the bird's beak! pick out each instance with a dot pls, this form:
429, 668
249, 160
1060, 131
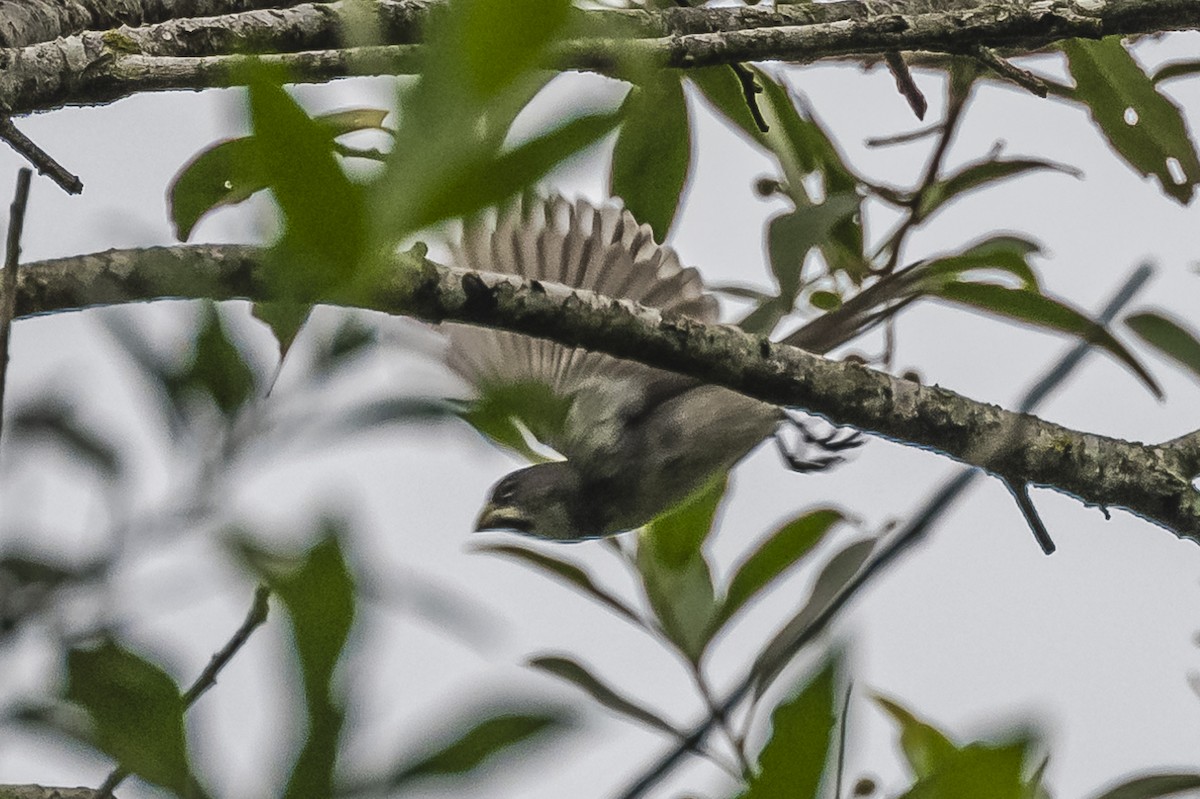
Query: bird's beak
499, 517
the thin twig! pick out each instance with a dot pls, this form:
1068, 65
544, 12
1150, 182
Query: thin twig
905, 84
841, 753
208, 678
1022, 77
45, 163
909, 535
1020, 492
8, 281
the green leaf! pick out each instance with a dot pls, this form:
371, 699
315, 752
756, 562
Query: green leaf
802, 727
137, 710
980, 771
229, 172
1176, 69
498, 41
652, 154
1169, 337
925, 747
721, 87
470, 187
576, 674
1142, 125
285, 318
977, 175
1152, 786
834, 576
567, 572
1036, 309
217, 368
324, 236
674, 572
790, 236
502, 410
318, 593
473, 745
825, 300
1004, 253
783, 549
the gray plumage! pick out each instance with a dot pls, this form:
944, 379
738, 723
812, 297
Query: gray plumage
637, 440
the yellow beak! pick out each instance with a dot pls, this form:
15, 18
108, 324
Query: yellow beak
500, 517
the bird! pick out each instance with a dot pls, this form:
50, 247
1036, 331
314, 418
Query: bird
634, 441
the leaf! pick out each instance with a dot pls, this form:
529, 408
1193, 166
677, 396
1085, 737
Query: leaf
925, 747
324, 213
1176, 69
52, 420
576, 674
568, 572
1153, 785
1142, 125
794, 757
497, 42
781, 550
470, 187
137, 710
229, 172
790, 236
675, 575
503, 411
217, 368
1036, 309
1169, 337
1003, 253
482, 741
834, 576
977, 175
285, 318
318, 594
981, 771
721, 87
652, 153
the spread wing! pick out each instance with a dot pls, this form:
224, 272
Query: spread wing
600, 249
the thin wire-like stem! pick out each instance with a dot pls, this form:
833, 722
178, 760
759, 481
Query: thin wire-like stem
8, 281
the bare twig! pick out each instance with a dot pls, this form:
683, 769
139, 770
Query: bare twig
45, 163
208, 678
903, 540
905, 83
1020, 492
1022, 77
8, 287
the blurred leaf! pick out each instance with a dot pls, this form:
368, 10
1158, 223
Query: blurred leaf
285, 318
926, 748
229, 172
790, 236
1169, 337
576, 674
29, 585
217, 368
675, 575
794, 757
1142, 125
321, 252
53, 420
496, 42
470, 186
502, 409
981, 771
781, 550
721, 87
1002, 253
1153, 785
1036, 309
137, 710
482, 741
318, 593
653, 150
840, 569
979, 174
568, 572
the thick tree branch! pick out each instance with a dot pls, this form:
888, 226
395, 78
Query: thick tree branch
1151, 481
95, 68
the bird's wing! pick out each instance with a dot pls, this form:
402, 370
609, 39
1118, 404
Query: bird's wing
576, 244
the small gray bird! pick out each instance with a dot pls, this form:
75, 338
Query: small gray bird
636, 440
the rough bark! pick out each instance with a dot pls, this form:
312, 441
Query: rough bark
1152, 481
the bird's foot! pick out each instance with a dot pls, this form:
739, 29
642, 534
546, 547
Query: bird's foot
812, 452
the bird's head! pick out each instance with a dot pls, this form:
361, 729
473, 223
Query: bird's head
539, 501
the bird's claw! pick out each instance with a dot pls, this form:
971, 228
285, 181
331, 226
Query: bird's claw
797, 456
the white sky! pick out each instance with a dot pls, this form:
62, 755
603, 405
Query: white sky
974, 629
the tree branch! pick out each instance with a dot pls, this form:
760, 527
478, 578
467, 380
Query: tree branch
195, 53
1150, 481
